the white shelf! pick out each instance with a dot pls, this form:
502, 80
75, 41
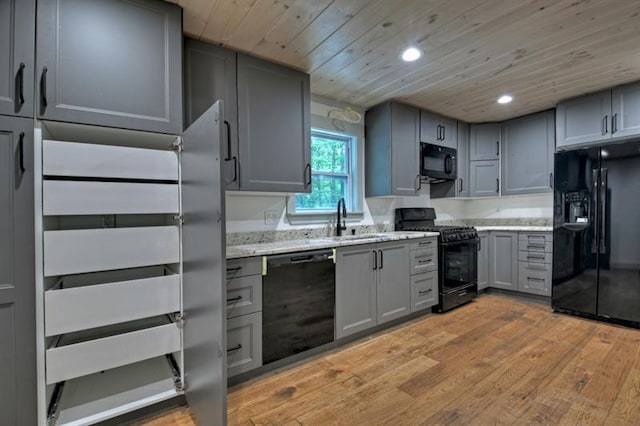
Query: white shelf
102, 396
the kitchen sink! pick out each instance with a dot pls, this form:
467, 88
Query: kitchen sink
358, 237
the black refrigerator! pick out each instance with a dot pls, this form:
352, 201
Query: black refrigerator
596, 233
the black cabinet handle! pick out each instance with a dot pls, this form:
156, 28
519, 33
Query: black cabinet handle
307, 174
43, 90
461, 185
381, 259
234, 299
375, 260
235, 348
438, 133
614, 123
235, 269
498, 185
20, 83
550, 180
229, 157
605, 125
424, 291
444, 133
21, 152
418, 183
498, 148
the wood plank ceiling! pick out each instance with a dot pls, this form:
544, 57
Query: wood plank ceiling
538, 51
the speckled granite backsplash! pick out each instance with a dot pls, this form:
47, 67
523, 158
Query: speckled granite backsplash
518, 221
256, 237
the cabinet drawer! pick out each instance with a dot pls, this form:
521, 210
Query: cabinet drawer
535, 280
107, 161
244, 295
244, 343
424, 243
88, 250
424, 291
536, 246
244, 267
535, 257
79, 359
424, 260
90, 198
80, 308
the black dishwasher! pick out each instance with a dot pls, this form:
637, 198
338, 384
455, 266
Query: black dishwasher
298, 297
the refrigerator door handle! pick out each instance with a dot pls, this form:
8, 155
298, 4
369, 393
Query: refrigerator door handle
603, 215
596, 194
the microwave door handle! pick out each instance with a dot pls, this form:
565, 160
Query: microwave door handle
448, 164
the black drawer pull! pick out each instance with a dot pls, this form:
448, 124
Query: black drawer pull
20, 78
235, 348
235, 269
43, 89
425, 291
234, 299
535, 279
425, 261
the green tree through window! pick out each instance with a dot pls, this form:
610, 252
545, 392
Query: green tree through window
331, 172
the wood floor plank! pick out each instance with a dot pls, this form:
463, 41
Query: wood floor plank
495, 361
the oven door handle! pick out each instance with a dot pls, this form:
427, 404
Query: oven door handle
457, 243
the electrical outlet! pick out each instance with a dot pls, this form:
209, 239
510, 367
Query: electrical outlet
271, 217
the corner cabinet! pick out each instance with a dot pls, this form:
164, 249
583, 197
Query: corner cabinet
274, 119
17, 40
392, 160
484, 142
528, 144
17, 276
115, 63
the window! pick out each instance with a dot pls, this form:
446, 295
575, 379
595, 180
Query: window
333, 164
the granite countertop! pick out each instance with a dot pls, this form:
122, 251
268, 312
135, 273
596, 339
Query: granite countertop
515, 228
292, 246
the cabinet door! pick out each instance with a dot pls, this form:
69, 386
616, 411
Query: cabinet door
626, 111
405, 143
274, 127
463, 183
485, 178
17, 276
17, 51
528, 144
210, 75
483, 261
355, 289
394, 281
484, 142
584, 119
504, 260
429, 127
449, 132
113, 63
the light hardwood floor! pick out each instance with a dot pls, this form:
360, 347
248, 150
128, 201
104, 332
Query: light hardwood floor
495, 361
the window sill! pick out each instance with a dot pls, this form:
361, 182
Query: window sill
323, 217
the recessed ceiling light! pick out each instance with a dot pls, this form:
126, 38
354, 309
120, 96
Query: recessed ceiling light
411, 54
504, 99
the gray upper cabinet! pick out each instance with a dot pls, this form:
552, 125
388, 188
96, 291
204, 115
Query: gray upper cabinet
483, 261
394, 282
115, 63
484, 178
17, 43
503, 270
438, 130
484, 141
392, 150
274, 127
584, 119
356, 301
626, 110
528, 144
17, 274
210, 75
463, 183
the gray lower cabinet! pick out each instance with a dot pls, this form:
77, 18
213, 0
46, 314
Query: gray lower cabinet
393, 281
484, 177
17, 56
210, 75
274, 127
484, 142
17, 276
626, 110
535, 262
528, 144
584, 120
503, 270
483, 260
356, 294
244, 343
115, 63
392, 150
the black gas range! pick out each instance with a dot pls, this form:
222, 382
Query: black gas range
457, 256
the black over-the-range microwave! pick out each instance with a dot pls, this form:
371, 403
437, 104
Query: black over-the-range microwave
438, 162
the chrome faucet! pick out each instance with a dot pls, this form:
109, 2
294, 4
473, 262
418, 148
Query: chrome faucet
341, 226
